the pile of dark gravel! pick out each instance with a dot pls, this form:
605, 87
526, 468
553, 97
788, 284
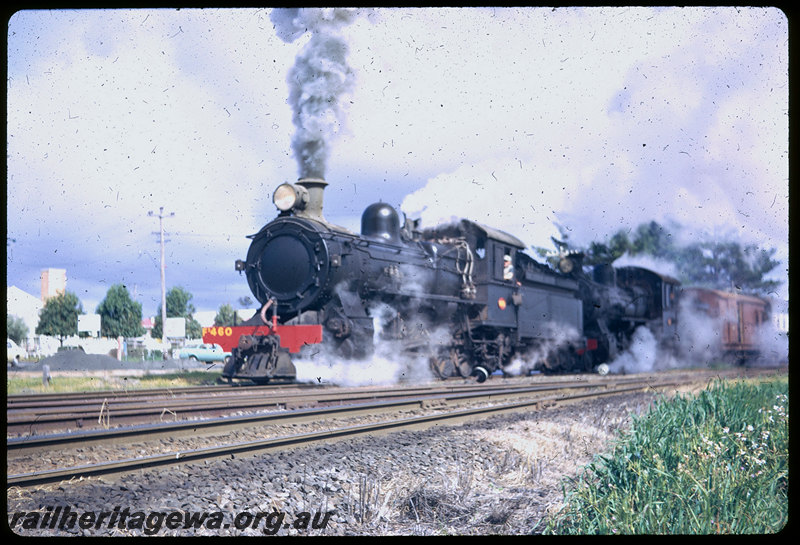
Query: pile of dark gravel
77, 360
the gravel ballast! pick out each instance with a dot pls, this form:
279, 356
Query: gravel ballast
501, 475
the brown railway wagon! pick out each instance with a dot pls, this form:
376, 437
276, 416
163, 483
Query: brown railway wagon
739, 319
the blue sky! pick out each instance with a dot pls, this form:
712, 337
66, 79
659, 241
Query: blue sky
596, 119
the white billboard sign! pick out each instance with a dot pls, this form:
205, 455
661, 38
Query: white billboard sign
90, 323
175, 328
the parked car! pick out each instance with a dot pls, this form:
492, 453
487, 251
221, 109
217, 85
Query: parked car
203, 352
14, 352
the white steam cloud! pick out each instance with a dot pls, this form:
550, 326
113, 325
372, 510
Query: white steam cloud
774, 345
643, 355
383, 368
647, 262
699, 343
389, 363
556, 338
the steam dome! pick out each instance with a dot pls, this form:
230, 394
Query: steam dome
381, 221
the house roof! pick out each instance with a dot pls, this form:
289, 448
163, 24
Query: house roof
16, 295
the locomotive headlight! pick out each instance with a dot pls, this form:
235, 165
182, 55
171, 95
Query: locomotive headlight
285, 197
289, 196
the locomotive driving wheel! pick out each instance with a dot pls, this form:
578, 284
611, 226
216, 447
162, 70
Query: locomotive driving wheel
452, 364
442, 367
553, 361
462, 362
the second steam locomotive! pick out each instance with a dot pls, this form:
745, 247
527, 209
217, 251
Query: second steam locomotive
463, 297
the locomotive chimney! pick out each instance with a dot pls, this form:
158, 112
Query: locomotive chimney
315, 188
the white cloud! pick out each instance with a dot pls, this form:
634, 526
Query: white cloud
597, 118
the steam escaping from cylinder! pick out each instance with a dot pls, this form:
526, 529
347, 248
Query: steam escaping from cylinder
317, 81
556, 337
642, 356
389, 364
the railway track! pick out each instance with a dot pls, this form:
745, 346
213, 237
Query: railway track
299, 440
449, 408
48, 413
344, 403
32, 416
24, 401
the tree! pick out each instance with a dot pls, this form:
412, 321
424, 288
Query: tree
16, 329
178, 306
193, 328
728, 265
652, 239
722, 265
120, 316
59, 317
617, 246
225, 316
179, 303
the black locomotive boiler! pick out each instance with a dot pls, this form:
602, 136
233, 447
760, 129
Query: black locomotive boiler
320, 283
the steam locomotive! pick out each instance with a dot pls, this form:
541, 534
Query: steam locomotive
464, 297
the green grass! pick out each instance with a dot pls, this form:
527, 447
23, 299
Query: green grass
63, 384
706, 464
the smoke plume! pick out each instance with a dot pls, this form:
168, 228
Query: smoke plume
317, 81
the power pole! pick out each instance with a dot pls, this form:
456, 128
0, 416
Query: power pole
163, 267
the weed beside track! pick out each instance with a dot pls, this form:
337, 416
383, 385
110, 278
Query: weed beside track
716, 462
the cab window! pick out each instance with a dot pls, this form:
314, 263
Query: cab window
503, 263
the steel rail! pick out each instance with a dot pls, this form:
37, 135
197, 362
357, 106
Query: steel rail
24, 401
90, 407
266, 445
38, 443
64, 398
21, 401
126, 412
29, 421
